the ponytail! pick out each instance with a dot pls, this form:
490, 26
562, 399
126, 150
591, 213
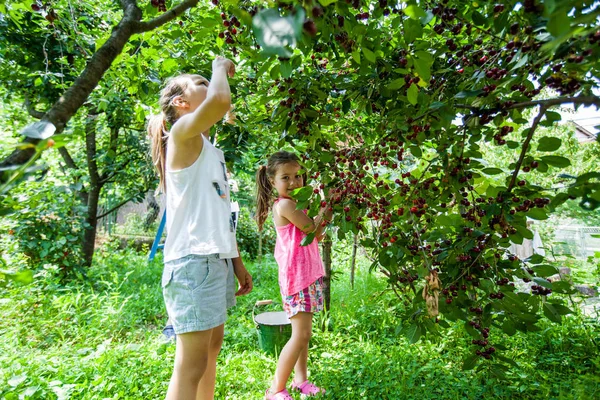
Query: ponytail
158, 136
157, 125
264, 191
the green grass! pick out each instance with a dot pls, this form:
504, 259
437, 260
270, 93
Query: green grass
101, 339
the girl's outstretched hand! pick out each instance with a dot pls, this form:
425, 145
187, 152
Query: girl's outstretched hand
224, 63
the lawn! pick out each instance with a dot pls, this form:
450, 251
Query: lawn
100, 338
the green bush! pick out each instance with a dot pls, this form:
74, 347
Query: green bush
46, 227
248, 236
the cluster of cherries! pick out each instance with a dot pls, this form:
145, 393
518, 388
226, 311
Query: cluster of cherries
540, 290
231, 24
51, 15
160, 4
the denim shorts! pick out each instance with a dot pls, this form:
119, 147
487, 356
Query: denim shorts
198, 290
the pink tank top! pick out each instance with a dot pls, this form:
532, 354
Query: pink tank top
299, 266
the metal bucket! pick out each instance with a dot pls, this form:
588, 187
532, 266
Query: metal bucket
274, 328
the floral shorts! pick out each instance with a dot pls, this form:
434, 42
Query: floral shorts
309, 300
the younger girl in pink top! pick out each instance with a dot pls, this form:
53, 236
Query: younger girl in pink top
300, 268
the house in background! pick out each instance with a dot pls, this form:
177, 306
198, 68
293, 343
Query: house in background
586, 133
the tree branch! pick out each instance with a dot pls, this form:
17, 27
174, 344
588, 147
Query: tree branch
76, 95
525, 147
67, 158
165, 17
587, 100
121, 204
31, 109
106, 177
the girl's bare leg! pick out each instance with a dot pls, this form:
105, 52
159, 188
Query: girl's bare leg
290, 354
301, 367
191, 359
206, 388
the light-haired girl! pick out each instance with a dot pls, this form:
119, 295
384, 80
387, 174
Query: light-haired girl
200, 253
300, 267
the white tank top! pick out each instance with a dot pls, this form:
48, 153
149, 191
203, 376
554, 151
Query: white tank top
199, 219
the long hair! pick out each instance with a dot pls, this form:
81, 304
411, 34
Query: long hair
264, 188
157, 125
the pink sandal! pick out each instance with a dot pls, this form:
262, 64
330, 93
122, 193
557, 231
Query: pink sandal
283, 395
308, 388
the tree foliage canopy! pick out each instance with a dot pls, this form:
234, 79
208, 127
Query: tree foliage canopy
394, 107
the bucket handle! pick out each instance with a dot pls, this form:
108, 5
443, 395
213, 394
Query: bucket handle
259, 303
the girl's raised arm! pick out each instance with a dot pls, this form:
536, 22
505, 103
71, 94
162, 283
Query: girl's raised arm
213, 108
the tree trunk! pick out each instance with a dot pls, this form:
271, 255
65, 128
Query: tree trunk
89, 236
153, 210
327, 278
70, 102
353, 260
93, 193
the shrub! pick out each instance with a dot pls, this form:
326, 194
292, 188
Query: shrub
46, 228
248, 235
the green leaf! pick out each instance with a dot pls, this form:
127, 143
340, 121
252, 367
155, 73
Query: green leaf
414, 12
545, 270
537, 213
499, 370
547, 143
535, 259
356, 55
559, 23
549, 7
557, 161
551, 313
325, 3
553, 116
561, 309
492, 171
412, 93
478, 19
511, 144
369, 55
413, 333
416, 151
523, 231
505, 359
509, 327
396, 84
276, 34
521, 62
468, 93
325, 121
308, 239
501, 22
470, 362
423, 62
303, 193
437, 105
285, 69
444, 324
412, 30
543, 282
